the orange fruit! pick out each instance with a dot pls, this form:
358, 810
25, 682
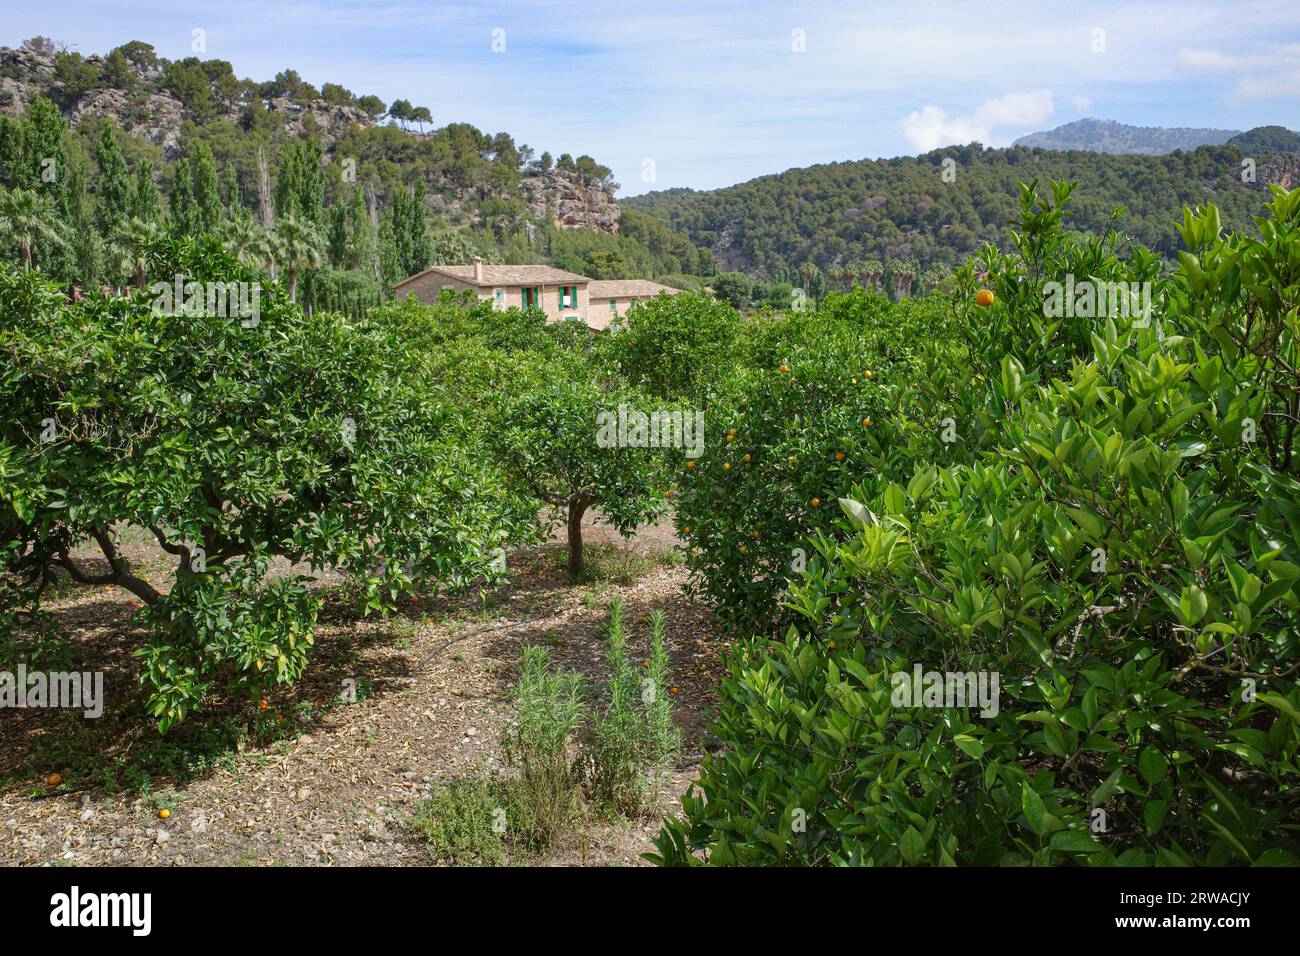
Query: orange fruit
263, 704
690, 464
686, 530
673, 690
867, 374
164, 813
784, 369
985, 298
54, 779
726, 466
746, 458
831, 645
744, 550
816, 502
839, 456
866, 422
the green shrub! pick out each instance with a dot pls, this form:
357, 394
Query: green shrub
616, 729
538, 746
663, 738
463, 822
633, 738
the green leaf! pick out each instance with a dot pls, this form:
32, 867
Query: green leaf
1153, 765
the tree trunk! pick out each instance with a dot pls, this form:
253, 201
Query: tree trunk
577, 508
293, 284
265, 210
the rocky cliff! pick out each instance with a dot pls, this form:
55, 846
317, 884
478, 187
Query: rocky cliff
141, 104
146, 111
570, 204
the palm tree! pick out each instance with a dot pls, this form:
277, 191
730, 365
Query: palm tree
838, 272
909, 271
249, 242
25, 217
873, 270
934, 276
132, 243
298, 246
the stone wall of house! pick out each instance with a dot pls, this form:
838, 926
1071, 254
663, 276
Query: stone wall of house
427, 287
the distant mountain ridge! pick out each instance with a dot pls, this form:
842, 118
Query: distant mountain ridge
1109, 136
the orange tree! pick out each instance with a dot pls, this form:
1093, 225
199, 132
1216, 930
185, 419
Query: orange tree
817, 402
556, 446
675, 347
1120, 554
233, 441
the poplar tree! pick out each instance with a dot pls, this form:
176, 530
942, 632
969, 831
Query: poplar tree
230, 187
113, 196
144, 195
185, 220
207, 200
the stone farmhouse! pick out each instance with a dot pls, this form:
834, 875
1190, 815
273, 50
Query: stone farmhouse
563, 296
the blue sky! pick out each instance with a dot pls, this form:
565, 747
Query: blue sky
707, 94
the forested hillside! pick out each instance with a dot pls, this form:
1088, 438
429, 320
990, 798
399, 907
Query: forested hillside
859, 218
102, 147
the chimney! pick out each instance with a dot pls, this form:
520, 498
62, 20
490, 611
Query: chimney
478, 270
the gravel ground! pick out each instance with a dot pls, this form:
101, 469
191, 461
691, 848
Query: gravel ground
321, 782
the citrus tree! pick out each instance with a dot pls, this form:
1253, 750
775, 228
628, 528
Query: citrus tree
1120, 555
558, 442
234, 440
816, 402
674, 347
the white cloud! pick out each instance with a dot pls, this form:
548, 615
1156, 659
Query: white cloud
1212, 61
931, 127
1082, 105
1268, 87
1271, 71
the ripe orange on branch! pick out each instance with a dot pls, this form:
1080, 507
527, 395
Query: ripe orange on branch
985, 298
